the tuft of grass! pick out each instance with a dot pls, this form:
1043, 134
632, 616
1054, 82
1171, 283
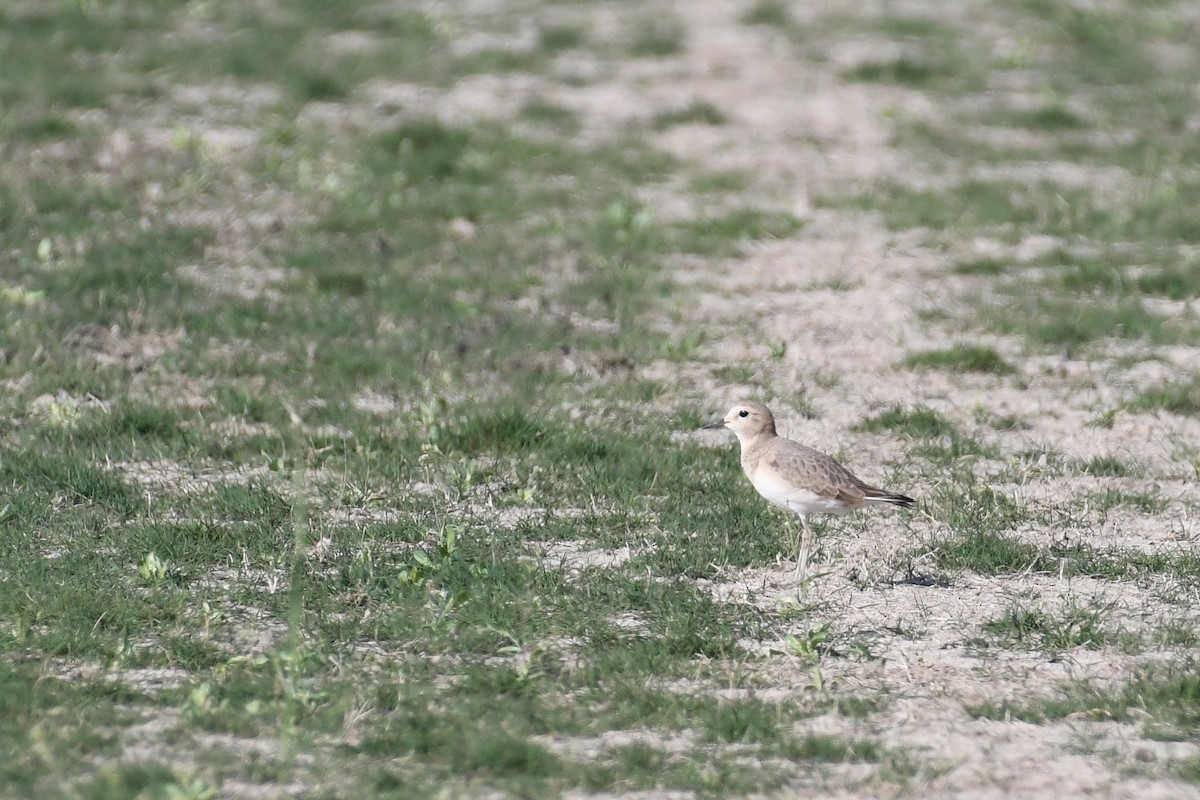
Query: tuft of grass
919, 422
830, 749
316, 85
987, 553
41, 128
1166, 699
723, 235
1147, 502
970, 205
560, 37
962, 357
1053, 117
1180, 397
902, 71
1035, 626
1110, 467
768, 12
1063, 322
859, 707
697, 112
511, 430
981, 266
547, 113
498, 60
1179, 279
718, 182
657, 38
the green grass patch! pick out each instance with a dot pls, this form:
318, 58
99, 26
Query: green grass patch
1146, 502
1181, 397
1053, 117
1110, 467
1169, 696
547, 113
980, 521
698, 112
974, 204
919, 422
1049, 320
1032, 625
722, 235
961, 358
768, 12
982, 266
718, 182
657, 37
556, 38
902, 71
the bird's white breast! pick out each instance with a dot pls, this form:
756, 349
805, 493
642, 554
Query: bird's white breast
794, 497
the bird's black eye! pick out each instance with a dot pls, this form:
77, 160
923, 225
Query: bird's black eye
743, 413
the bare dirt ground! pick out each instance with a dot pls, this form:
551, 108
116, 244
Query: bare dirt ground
844, 294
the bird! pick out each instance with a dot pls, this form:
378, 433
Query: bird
796, 477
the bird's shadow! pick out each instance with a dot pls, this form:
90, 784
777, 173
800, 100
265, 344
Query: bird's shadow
912, 579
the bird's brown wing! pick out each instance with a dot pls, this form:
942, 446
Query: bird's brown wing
819, 473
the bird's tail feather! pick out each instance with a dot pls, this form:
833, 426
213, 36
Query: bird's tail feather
890, 498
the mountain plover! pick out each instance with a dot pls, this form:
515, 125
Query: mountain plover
796, 477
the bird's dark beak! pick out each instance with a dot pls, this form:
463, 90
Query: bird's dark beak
715, 426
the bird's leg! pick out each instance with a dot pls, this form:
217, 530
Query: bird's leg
803, 539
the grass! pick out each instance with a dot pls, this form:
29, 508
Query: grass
1136, 246
768, 12
1180, 397
163, 528
961, 357
980, 540
920, 422
969, 205
699, 112
724, 234
1055, 631
657, 37
301, 435
1165, 699
1110, 467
